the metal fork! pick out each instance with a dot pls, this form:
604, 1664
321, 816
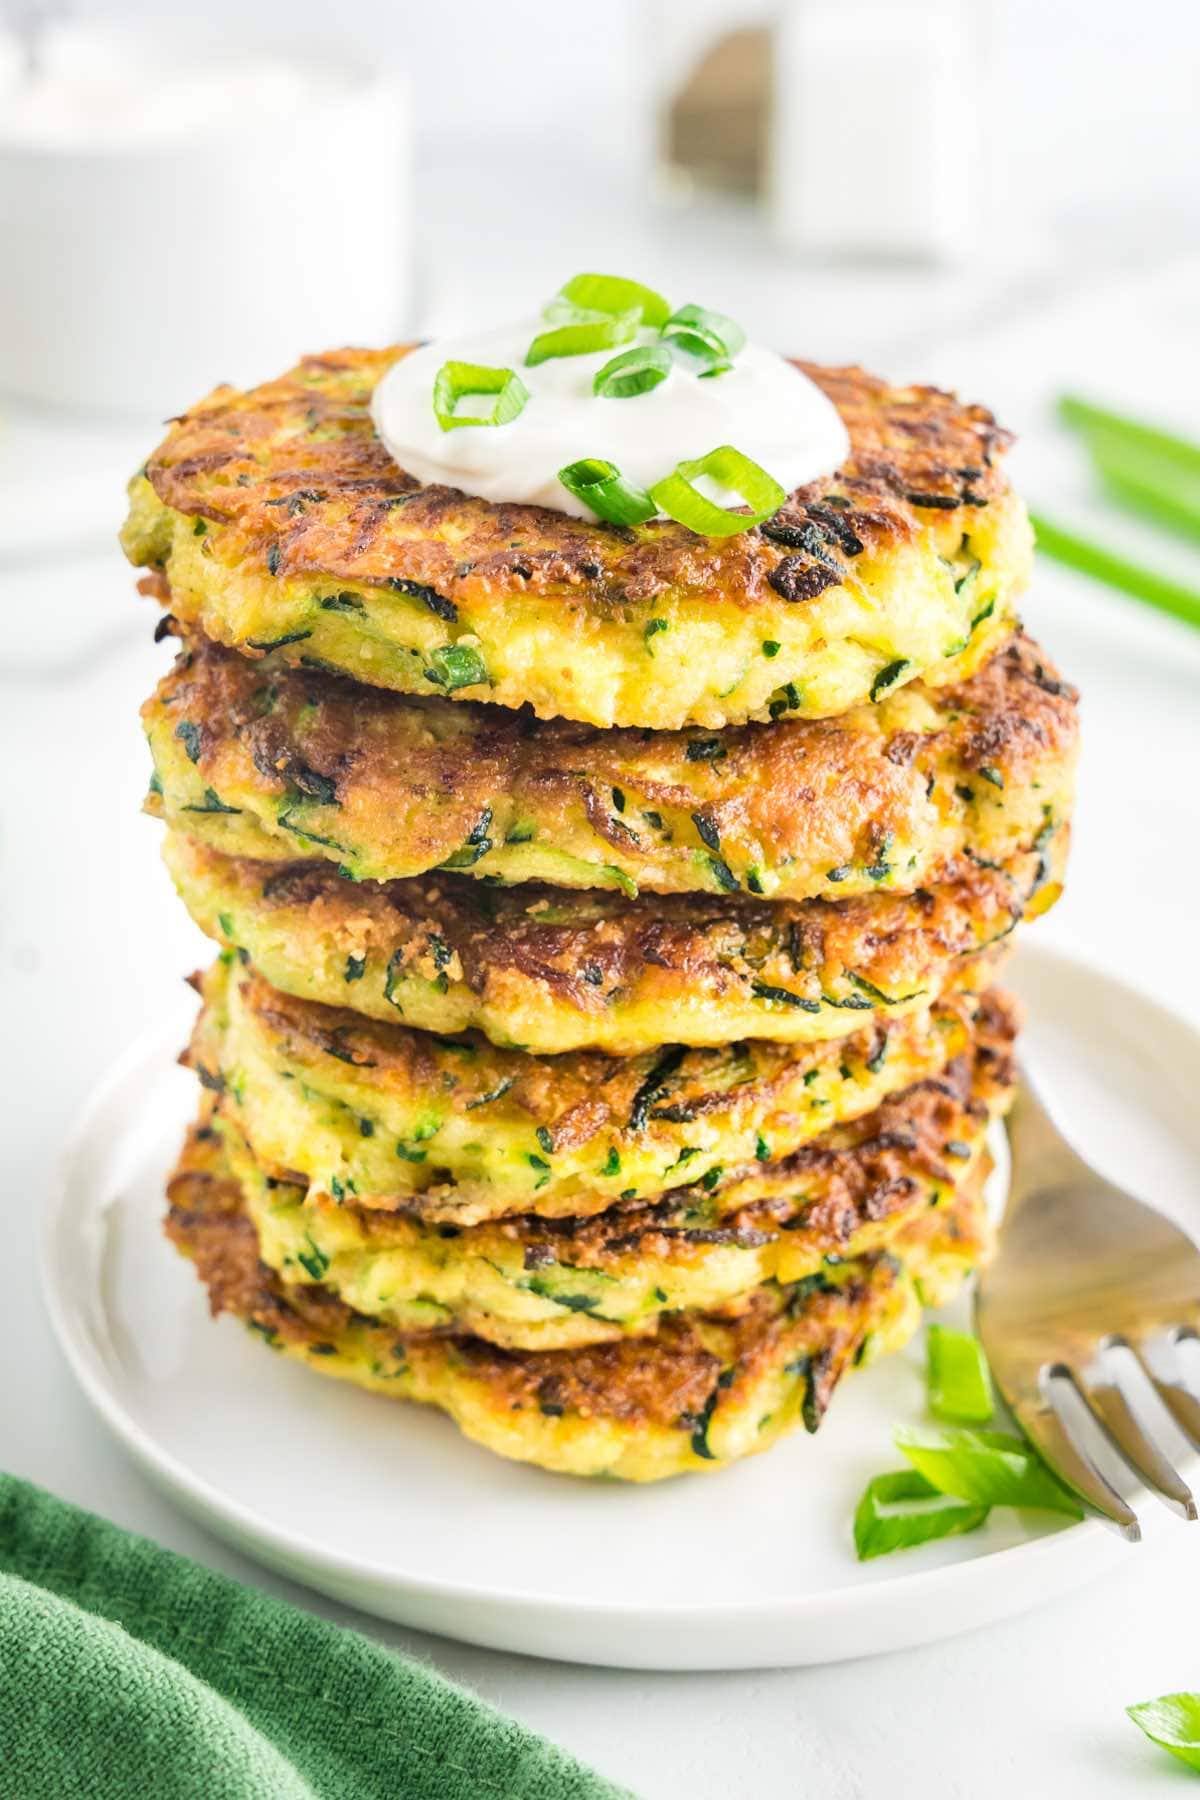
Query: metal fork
1087, 1277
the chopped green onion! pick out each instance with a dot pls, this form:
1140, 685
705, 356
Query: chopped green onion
601, 486
457, 665
1172, 1722
901, 1510
1105, 565
1150, 471
633, 372
1163, 492
579, 336
709, 336
612, 294
990, 1468
680, 499
960, 1386
455, 380
1136, 436
562, 312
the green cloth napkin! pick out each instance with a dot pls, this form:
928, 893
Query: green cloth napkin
126, 1671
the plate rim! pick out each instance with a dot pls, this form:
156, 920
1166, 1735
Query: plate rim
1092, 1545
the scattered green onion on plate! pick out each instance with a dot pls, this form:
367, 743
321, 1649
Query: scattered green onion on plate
633, 372
602, 487
1173, 1722
989, 1468
902, 1509
456, 381
959, 1384
680, 499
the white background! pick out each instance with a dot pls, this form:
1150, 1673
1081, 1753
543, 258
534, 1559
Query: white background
528, 167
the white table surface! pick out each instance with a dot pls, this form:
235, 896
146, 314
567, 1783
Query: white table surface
92, 942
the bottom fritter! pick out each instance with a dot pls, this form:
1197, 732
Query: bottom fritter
706, 1389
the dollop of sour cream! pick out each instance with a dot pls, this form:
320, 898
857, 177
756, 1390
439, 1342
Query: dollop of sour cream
763, 406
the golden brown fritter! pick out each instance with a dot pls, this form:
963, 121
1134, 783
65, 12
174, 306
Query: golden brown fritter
536, 1283
284, 528
459, 1131
285, 764
551, 970
706, 1390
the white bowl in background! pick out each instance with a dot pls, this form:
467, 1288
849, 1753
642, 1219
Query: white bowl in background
173, 216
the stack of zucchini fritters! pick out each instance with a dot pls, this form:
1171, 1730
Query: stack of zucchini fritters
602, 1045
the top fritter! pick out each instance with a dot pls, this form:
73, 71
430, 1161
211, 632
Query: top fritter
283, 528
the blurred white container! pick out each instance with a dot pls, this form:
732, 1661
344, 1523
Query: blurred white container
874, 139
172, 217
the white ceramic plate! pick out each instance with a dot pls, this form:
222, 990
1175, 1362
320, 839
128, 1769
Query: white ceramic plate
386, 1507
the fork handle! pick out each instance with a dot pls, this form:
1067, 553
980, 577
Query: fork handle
1041, 1155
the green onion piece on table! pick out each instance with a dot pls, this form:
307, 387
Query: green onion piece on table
581, 336
680, 499
709, 336
900, 1510
1162, 492
1147, 470
454, 381
1159, 591
612, 294
960, 1387
1147, 440
1172, 1722
633, 372
602, 487
989, 1468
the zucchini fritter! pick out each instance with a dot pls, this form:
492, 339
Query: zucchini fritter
538, 1284
285, 764
284, 528
706, 1390
457, 1130
548, 970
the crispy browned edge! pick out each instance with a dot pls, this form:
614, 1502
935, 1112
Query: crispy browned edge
296, 466
860, 1174
451, 926
777, 782
577, 1096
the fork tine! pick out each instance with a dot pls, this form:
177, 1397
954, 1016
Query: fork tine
1049, 1436
1180, 1402
1183, 1407
1127, 1437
